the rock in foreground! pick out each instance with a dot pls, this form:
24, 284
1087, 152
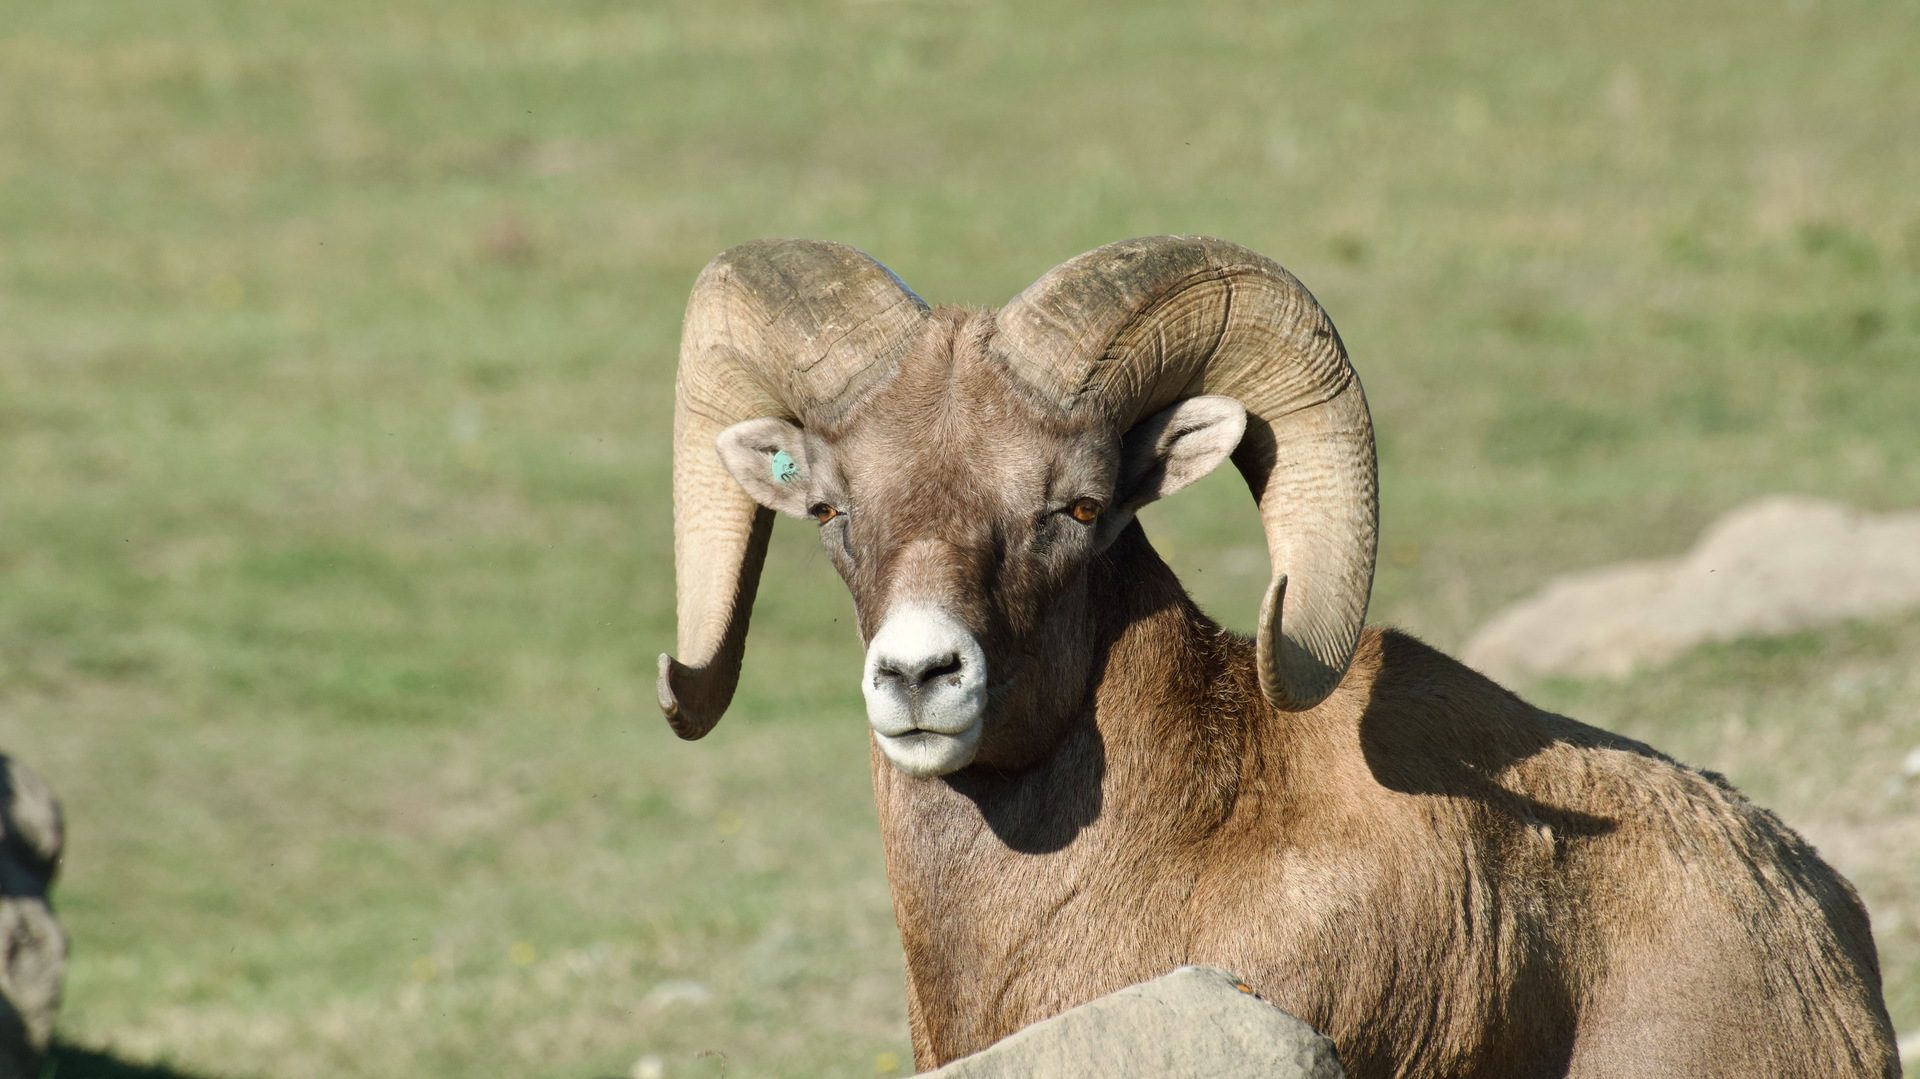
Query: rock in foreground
33, 951
1194, 1021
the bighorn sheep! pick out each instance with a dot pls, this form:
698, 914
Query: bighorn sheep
1083, 782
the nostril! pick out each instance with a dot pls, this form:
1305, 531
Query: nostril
941, 667
914, 674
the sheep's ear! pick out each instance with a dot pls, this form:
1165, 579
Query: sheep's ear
768, 459
1169, 450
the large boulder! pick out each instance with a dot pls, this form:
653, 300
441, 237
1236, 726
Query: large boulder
1780, 564
33, 951
1194, 1021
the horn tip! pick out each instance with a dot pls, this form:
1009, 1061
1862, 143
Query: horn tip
1292, 677
686, 722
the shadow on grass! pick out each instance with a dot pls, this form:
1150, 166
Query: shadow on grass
70, 1061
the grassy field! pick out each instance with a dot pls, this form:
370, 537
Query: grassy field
335, 350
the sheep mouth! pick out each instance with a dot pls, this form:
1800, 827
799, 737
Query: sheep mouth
918, 751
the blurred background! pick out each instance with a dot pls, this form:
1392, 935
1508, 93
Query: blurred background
336, 346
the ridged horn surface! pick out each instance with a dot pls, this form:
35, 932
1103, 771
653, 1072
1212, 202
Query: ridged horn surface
1134, 326
787, 328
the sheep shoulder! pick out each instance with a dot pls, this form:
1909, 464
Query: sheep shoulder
1502, 889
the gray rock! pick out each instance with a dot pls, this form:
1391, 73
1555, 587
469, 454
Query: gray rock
1773, 566
33, 950
1194, 1021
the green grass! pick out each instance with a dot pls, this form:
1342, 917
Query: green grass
335, 346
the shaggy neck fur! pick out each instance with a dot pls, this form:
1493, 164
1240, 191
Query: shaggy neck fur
1169, 707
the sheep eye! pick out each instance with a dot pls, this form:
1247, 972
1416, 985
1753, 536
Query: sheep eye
1085, 510
823, 512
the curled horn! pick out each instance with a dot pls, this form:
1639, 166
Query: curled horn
1134, 326
786, 328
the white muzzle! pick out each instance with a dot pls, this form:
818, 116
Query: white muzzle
926, 689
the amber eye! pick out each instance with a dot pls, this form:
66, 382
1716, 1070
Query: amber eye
1085, 510
823, 512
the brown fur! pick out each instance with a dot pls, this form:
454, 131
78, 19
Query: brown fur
1443, 878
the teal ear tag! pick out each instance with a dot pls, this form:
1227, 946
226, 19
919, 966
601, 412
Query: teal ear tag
784, 470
